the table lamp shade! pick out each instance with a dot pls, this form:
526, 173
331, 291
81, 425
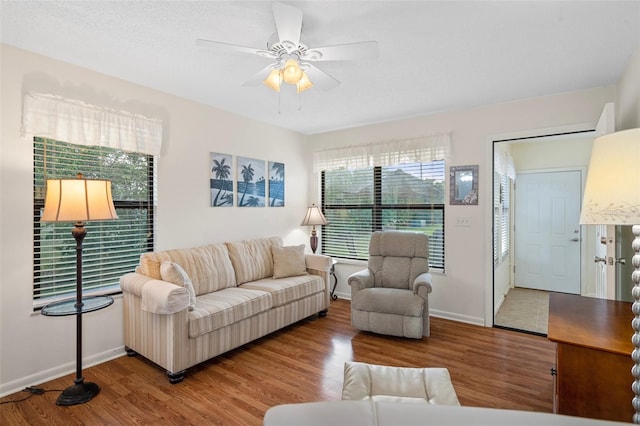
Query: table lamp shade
314, 217
612, 191
76, 200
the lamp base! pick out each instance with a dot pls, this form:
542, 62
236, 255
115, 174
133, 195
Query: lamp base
79, 393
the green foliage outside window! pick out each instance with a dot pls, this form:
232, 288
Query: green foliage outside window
111, 248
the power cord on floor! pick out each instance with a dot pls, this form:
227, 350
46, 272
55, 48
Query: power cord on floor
32, 391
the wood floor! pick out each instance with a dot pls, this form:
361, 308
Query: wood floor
304, 362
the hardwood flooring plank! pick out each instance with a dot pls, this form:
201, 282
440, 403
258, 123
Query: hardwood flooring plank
303, 362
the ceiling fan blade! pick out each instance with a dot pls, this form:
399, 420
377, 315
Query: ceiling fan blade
321, 79
288, 21
259, 77
232, 48
343, 52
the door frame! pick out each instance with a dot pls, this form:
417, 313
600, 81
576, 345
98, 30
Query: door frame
487, 182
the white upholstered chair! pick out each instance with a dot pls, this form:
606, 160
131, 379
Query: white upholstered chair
380, 383
391, 295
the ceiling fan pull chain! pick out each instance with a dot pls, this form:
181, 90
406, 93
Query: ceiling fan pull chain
279, 97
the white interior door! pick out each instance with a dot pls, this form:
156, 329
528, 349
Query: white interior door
547, 235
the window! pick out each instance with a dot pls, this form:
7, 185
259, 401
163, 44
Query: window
111, 248
505, 185
404, 197
501, 216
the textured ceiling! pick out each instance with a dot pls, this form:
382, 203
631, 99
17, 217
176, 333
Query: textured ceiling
433, 55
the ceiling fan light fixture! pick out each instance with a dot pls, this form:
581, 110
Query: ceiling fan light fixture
273, 80
304, 83
292, 73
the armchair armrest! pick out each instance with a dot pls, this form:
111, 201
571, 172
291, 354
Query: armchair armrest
157, 296
360, 280
422, 284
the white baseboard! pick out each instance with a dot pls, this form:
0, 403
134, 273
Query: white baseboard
59, 371
498, 305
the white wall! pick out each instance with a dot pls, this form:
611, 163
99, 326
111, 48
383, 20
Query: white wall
465, 291
34, 348
628, 99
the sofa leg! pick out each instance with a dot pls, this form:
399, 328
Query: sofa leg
130, 352
175, 377
323, 313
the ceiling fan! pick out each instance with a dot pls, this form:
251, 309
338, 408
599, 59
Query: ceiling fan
292, 58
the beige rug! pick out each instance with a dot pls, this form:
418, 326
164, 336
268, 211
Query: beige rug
525, 309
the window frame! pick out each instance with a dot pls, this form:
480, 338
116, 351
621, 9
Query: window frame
377, 208
38, 205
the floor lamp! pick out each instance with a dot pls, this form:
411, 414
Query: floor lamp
77, 200
313, 218
612, 197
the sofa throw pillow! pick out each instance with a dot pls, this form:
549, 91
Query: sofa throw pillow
288, 261
173, 273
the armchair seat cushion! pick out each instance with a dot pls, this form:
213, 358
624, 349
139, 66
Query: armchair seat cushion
227, 306
389, 301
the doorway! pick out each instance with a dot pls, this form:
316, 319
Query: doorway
548, 178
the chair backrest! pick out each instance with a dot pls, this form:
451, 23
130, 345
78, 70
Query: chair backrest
396, 258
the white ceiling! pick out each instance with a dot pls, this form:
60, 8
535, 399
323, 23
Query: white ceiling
434, 55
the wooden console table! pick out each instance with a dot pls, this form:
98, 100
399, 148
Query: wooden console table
593, 356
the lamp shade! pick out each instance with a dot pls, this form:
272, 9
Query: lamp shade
612, 191
314, 217
273, 80
78, 200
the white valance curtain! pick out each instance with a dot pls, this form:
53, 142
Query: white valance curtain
416, 150
79, 123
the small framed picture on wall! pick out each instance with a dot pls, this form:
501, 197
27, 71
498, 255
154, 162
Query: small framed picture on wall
221, 179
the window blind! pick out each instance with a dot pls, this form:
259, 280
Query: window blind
111, 248
505, 215
358, 201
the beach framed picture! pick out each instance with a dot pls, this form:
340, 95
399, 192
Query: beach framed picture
221, 179
251, 182
276, 184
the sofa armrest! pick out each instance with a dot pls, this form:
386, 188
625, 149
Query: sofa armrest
318, 262
157, 296
422, 285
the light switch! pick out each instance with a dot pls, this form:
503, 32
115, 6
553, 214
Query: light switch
463, 222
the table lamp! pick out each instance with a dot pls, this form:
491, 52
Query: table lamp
314, 217
612, 197
78, 200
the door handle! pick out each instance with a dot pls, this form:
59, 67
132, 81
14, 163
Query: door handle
575, 240
622, 261
597, 259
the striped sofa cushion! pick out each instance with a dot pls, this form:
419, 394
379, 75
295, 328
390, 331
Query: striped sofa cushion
252, 259
287, 290
209, 267
223, 307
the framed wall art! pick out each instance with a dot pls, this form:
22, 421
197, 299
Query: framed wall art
221, 179
276, 184
463, 185
251, 182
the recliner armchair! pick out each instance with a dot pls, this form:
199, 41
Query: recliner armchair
391, 295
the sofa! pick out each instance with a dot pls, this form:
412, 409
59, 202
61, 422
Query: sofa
185, 306
384, 413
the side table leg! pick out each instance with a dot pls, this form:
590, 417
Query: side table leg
335, 283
